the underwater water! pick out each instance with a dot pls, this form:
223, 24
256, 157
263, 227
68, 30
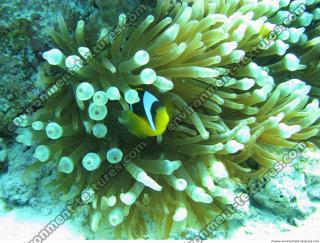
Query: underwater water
160, 120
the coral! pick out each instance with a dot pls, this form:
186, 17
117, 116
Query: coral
111, 9
183, 54
311, 169
285, 195
22, 41
13, 189
3, 154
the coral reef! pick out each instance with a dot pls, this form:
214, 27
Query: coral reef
183, 54
311, 169
3, 154
13, 189
22, 41
287, 191
110, 10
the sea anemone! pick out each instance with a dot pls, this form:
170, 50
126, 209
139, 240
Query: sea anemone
235, 77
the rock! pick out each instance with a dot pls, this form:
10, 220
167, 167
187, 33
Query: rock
12, 188
289, 193
311, 170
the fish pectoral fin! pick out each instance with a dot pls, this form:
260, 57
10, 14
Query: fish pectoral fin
133, 123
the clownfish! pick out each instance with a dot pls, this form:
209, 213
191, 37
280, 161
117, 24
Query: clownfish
147, 118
